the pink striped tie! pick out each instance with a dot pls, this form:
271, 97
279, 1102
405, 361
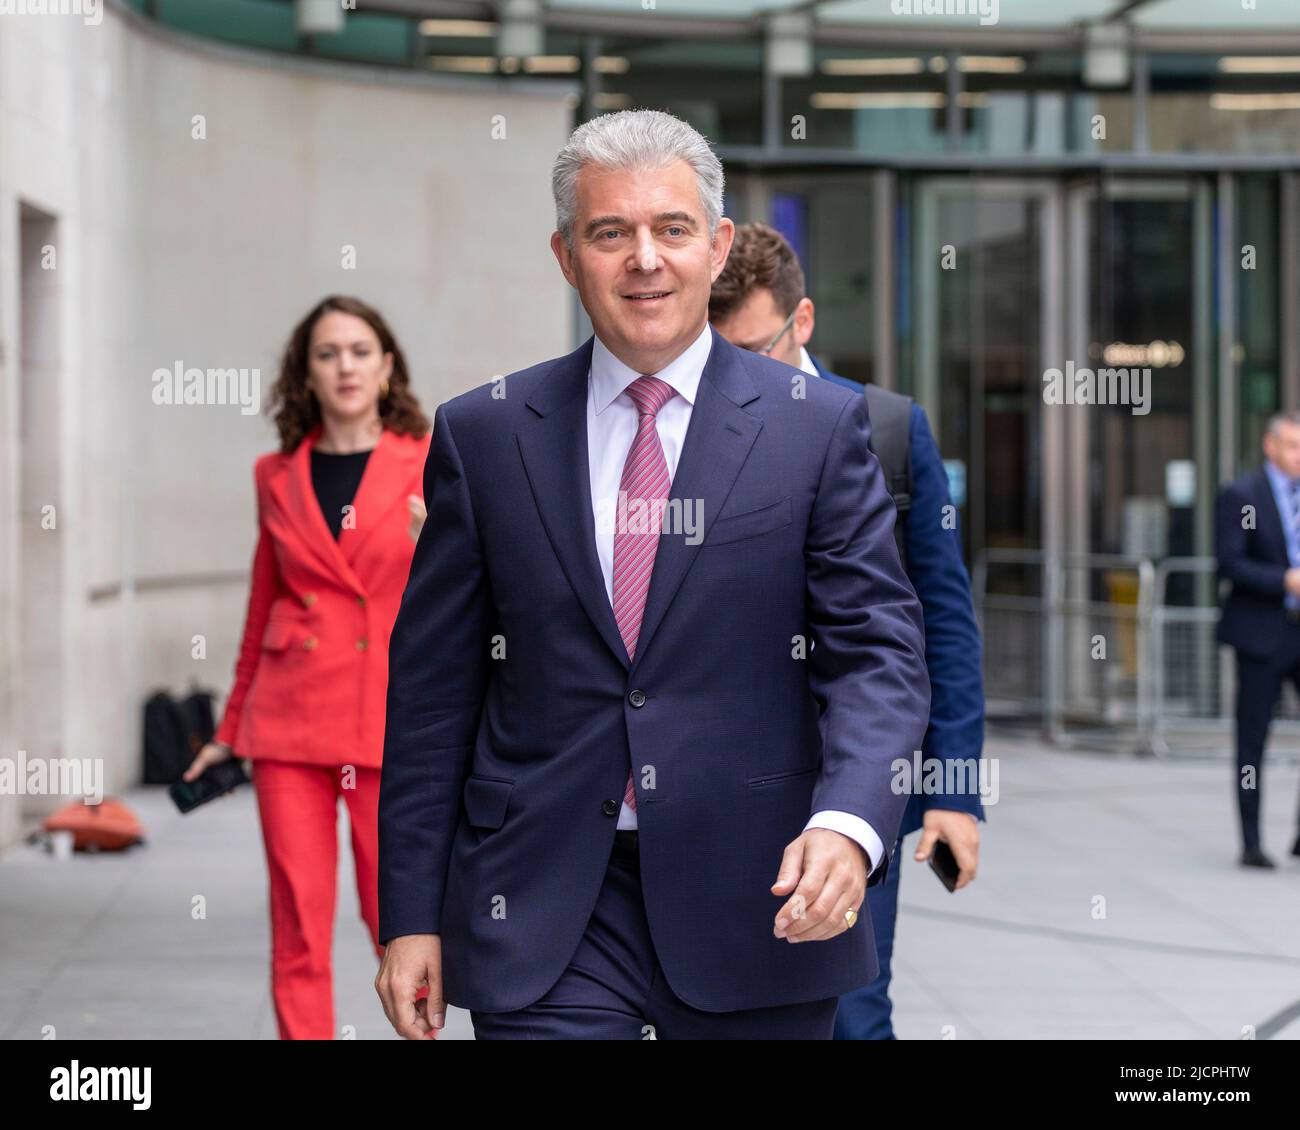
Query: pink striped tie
643, 493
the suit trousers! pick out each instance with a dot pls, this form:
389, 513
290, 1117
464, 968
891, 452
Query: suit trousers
298, 805
1259, 682
614, 988
866, 1013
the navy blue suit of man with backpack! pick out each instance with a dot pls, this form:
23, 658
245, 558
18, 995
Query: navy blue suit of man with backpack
931, 553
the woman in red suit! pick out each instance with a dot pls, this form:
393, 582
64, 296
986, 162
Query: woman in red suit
339, 508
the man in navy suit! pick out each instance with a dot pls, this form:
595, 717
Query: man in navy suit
759, 302
1258, 533
743, 670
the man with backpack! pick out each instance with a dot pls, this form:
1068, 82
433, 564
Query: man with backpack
759, 303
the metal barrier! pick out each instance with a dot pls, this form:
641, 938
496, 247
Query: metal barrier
1193, 679
1050, 626
1113, 651
1011, 609
1098, 614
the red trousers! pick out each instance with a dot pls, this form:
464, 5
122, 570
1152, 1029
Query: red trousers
298, 805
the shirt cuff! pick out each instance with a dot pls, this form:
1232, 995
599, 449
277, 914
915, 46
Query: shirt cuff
857, 829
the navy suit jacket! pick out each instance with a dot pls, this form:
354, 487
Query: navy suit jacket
1255, 561
953, 648
513, 711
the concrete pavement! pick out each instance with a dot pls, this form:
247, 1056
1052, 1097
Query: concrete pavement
1108, 905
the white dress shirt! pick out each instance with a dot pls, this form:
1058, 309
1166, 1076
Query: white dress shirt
805, 362
611, 429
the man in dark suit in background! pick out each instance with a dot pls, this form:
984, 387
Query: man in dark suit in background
759, 302
744, 676
1258, 534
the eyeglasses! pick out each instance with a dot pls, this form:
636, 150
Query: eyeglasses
771, 345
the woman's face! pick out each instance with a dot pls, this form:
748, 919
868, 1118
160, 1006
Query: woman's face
346, 367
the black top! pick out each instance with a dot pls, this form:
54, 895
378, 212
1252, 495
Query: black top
336, 478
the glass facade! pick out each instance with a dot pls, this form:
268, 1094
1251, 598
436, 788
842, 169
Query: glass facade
999, 279
1140, 314
1256, 355
713, 84
1231, 104
976, 250
884, 104
827, 219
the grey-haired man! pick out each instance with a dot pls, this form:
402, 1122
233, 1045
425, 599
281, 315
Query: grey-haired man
653, 663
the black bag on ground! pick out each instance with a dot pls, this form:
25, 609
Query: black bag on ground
173, 733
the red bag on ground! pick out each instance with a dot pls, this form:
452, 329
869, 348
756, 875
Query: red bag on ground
107, 826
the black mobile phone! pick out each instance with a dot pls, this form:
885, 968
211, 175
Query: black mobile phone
216, 780
944, 864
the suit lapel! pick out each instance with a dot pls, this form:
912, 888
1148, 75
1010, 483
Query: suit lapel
718, 441
553, 446
292, 488
388, 469
1271, 518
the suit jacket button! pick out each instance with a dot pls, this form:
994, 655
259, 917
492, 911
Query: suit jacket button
308, 599
361, 600
361, 645
609, 807
309, 642
637, 698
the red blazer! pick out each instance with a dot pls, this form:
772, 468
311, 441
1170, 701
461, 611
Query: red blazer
312, 673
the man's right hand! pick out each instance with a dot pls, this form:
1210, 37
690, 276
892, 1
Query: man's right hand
1292, 582
410, 962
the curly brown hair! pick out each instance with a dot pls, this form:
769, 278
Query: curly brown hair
296, 410
760, 259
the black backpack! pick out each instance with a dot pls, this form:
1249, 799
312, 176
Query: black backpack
891, 443
173, 733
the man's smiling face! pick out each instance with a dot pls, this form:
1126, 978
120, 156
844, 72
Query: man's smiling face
642, 260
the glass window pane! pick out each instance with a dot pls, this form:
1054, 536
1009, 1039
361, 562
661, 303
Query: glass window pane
1256, 353
869, 102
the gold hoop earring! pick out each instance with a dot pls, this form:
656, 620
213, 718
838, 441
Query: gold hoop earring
383, 389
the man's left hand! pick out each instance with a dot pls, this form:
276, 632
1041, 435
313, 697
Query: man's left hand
960, 831
827, 873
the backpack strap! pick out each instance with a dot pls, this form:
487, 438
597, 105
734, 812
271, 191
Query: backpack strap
891, 442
